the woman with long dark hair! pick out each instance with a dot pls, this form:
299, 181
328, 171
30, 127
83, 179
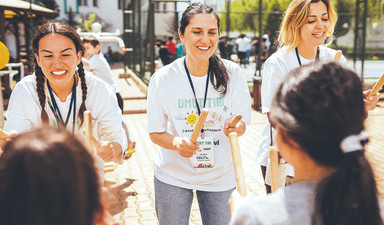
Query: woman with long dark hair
177, 94
59, 92
318, 112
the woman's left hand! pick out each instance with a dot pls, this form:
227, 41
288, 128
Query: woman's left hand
109, 151
239, 129
370, 103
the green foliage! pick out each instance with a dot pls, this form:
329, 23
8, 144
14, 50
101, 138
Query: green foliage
273, 19
50, 4
86, 24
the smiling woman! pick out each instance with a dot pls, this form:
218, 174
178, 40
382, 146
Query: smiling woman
177, 94
59, 92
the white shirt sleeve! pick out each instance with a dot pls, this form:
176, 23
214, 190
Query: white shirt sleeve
272, 77
156, 108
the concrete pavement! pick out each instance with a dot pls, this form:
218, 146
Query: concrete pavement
132, 182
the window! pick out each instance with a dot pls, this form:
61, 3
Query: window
120, 4
95, 3
83, 2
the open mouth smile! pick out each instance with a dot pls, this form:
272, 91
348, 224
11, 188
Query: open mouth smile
59, 72
203, 48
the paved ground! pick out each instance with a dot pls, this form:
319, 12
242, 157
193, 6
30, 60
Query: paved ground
132, 182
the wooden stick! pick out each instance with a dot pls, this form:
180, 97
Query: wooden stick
199, 125
88, 131
236, 157
274, 160
338, 55
376, 88
235, 120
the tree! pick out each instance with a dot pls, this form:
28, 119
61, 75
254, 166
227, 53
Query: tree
50, 4
273, 20
70, 20
85, 22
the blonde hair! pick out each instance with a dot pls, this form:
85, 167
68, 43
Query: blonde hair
296, 16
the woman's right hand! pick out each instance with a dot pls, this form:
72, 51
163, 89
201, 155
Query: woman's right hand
185, 146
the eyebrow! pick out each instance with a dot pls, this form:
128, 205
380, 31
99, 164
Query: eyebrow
60, 52
321, 15
199, 28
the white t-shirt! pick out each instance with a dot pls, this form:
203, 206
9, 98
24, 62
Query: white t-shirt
287, 206
243, 44
24, 109
99, 66
172, 109
275, 68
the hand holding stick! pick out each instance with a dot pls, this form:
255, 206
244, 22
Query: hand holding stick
235, 149
4, 134
199, 125
235, 120
338, 55
376, 88
274, 160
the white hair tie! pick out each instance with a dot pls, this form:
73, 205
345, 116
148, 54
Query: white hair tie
354, 142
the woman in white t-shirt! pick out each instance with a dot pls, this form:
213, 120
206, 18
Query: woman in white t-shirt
59, 92
303, 31
176, 95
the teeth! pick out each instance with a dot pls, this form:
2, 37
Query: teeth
203, 48
318, 34
59, 72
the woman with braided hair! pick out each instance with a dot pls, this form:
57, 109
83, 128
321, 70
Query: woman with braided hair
59, 92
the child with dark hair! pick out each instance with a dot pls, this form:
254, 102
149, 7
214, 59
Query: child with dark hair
318, 112
48, 177
96, 63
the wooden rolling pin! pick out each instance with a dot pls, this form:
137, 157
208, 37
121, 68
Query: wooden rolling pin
274, 160
236, 157
235, 120
376, 88
338, 55
199, 125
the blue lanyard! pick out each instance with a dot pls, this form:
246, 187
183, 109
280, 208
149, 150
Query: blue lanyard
317, 55
193, 89
56, 111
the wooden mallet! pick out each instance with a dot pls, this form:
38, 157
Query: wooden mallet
236, 157
199, 125
376, 88
274, 166
338, 55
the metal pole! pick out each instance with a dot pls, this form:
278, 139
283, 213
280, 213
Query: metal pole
228, 18
363, 38
355, 43
152, 36
258, 66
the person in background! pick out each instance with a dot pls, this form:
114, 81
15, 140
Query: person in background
48, 177
109, 55
171, 47
165, 55
95, 62
179, 49
242, 45
318, 113
223, 48
177, 94
305, 26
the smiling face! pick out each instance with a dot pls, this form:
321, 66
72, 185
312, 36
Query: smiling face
201, 36
58, 59
314, 32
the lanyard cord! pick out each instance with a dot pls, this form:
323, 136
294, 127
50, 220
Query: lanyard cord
298, 57
56, 111
193, 89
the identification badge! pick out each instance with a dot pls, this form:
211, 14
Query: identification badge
204, 156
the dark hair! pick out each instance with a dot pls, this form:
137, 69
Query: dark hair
318, 105
92, 40
69, 32
217, 68
48, 177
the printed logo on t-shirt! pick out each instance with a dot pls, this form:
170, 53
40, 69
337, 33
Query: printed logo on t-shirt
191, 103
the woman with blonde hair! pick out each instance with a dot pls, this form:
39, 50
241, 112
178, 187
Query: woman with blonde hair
303, 33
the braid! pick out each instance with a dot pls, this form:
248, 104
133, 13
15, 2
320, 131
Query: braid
41, 94
84, 91
219, 74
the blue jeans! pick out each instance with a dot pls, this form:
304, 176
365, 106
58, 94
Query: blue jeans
173, 205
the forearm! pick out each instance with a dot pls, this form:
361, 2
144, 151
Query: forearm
164, 140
